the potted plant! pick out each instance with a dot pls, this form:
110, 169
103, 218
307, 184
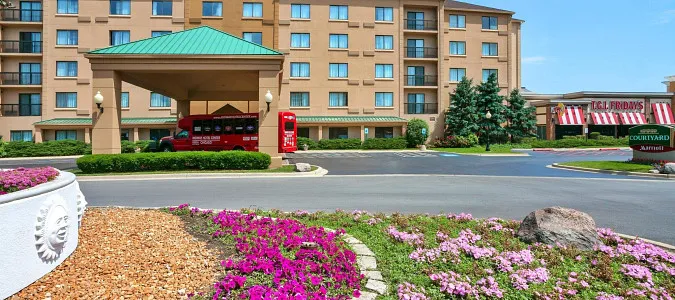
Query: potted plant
305, 147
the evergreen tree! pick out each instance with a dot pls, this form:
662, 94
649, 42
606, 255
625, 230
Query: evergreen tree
461, 117
490, 100
522, 120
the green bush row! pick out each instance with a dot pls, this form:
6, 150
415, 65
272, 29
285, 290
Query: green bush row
573, 142
340, 144
173, 161
50, 148
311, 144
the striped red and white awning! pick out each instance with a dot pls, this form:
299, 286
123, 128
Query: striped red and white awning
573, 115
662, 113
605, 118
632, 118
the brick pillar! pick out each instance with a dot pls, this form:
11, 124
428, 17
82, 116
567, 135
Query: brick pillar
106, 126
182, 111
320, 135
363, 133
136, 135
38, 135
87, 135
268, 134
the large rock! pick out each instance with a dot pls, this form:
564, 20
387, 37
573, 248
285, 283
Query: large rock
302, 167
669, 168
553, 225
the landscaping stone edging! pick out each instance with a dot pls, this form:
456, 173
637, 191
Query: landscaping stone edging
319, 172
637, 174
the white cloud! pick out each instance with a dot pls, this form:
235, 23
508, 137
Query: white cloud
534, 60
666, 17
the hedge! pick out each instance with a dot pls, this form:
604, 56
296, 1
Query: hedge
340, 144
573, 142
173, 161
383, 143
50, 148
130, 147
307, 141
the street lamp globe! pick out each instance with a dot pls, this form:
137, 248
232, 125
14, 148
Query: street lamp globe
269, 97
98, 98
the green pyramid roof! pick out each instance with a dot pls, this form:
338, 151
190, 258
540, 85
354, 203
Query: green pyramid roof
202, 40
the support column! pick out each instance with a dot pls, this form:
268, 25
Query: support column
268, 141
182, 111
320, 132
87, 135
363, 133
106, 126
550, 124
136, 135
38, 135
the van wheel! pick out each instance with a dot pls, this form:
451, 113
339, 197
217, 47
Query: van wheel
166, 149
238, 148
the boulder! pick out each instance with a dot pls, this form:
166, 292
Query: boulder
669, 168
566, 226
303, 167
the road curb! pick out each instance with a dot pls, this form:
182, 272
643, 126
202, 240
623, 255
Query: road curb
40, 157
571, 149
319, 172
664, 246
637, 174
490, 155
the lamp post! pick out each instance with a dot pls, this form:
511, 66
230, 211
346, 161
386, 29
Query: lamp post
488, 116
98, 99
268, 99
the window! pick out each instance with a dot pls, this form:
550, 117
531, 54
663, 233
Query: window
21, 136
303, 132
299, 69
338, 70
253, 10
299, 40
457, 21
338, 133
30, 105
66, 100
66, 7
66, 69
66, 135
156, 134
384, 132
66, 37
159, 33
384, 71
337, 99
118, 37
212, 9
125, 99
299, 99
457, 74
384, 42
458, 48
488, 72
489, 23
162, 7
30, 42
415, 103
159, 100
124, 134
299, 11
338, 41
384, 99
120, 7
253, 37
339, 12
30, 11
489, 49
384, 14
30, 73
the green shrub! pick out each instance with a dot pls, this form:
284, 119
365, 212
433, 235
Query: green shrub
594, 135
50, 148
573, 142
457, 141
413, 132
340, 144
173, 161
145, 145
128, 147
2, 148
381, 143
307, 141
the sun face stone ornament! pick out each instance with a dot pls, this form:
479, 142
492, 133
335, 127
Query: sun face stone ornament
51, 230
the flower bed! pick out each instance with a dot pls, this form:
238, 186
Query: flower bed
280, 258
437, 257
22, 178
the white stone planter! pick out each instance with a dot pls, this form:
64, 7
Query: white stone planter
38, 231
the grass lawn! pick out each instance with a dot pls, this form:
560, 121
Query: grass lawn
283, 169
610, 165
495, 149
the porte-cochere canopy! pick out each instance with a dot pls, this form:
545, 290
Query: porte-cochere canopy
201, 64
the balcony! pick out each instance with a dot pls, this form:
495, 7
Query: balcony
14, 47
421, 80
21, 15
421, 108
20, 110
20, 78
421, 52
415, 24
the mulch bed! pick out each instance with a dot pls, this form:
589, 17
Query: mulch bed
136, 254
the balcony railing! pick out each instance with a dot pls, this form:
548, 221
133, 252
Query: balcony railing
421, 52
21, 46
421, 108
421, 80
415, 24
20, 78
21, 15
16, 110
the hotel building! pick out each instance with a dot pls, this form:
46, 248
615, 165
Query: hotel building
351, 67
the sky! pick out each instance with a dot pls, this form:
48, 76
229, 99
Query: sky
594, 45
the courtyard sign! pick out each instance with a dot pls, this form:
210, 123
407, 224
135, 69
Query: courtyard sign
651, 138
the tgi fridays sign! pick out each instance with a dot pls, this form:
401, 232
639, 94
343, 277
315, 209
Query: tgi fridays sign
651, 138
617, 106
